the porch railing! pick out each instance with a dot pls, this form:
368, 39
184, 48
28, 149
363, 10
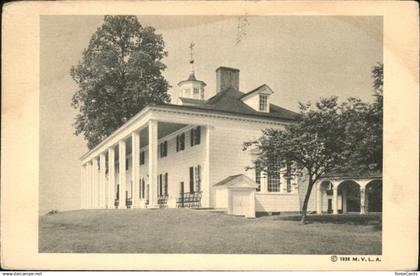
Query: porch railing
189, 200
129, 202
162, 201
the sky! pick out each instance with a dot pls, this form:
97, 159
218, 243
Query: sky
302, 58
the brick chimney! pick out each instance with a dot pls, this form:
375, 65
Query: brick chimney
226, 77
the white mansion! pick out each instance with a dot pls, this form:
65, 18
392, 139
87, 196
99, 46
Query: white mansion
190, 154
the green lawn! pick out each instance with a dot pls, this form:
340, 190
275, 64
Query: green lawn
199, 231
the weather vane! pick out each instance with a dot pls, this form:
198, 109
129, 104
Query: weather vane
192, 55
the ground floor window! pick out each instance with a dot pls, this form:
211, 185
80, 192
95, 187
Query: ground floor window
163, 184
289, 178
195, 179
273, 182
141, 188
258, 172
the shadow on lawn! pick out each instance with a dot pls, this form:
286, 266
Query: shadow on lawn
375, 220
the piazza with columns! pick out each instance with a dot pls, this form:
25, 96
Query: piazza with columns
185, 154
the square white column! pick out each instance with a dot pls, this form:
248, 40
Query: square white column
122, 174
318, 198
89, 184
135, 170
111, 178
263, 182
362, 200
95, 183
153, 144
102, 181
83, 187
283, 180
335, 199
205, 201
92, 186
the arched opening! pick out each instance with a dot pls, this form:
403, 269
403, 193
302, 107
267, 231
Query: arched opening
349, 193
374, 196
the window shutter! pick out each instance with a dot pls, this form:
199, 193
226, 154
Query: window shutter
182, 141
166, 183
160, 185
166, 148
191, 179
192, 137
198, 135
177, 143
139, 188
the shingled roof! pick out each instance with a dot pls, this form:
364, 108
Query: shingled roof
228, 101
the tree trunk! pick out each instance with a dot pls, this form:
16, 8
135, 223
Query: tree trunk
306, 200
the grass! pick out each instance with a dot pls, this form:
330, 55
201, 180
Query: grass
204, 231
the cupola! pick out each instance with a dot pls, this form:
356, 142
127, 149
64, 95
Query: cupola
191, 88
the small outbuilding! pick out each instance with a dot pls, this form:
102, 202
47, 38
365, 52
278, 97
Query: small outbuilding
238, 192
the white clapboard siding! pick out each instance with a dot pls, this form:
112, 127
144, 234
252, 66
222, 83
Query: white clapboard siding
276, 202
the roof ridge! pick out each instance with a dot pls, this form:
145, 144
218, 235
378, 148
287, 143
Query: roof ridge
253, 90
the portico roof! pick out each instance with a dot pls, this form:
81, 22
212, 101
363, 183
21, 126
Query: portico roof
226, 103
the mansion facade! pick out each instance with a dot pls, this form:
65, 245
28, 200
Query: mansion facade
190, 154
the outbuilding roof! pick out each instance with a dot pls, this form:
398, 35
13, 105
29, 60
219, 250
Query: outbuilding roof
237, 181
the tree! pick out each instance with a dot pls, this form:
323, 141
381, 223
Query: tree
377, 113
119, 74
314, 144
327, 138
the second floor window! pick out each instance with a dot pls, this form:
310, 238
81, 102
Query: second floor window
142, 157
263, 102
195, 136
180, 142
163, 149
